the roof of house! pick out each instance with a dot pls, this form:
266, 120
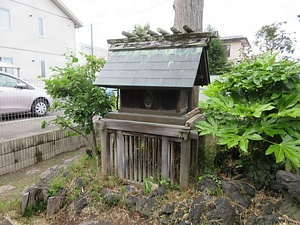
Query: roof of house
64, 8
238, 38
168, 61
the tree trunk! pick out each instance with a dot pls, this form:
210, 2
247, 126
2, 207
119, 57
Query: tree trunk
189, 12
95, 146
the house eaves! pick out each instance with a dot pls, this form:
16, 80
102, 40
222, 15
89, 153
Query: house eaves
241, 39
64, 8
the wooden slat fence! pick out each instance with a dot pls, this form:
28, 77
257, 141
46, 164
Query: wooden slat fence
136, 156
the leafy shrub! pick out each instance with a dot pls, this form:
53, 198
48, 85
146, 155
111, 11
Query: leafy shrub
255, 108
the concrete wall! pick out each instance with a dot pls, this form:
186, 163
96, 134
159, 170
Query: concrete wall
21, 153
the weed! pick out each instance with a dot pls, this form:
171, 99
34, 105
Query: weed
36, 209
218, 190
148, 185
168, 184
56, 185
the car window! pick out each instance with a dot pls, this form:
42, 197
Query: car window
6, 81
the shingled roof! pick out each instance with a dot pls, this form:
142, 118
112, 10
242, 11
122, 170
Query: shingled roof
177, 60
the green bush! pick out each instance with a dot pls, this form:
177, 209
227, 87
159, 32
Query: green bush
255, 108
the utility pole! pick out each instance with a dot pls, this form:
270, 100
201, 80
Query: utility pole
92, 41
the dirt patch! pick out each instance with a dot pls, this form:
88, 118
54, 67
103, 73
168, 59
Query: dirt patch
12, 185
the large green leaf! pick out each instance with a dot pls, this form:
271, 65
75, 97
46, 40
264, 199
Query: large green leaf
242, 141
269, 126
260, 109
289, 148
210, 126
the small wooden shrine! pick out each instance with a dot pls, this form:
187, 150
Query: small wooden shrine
151, 134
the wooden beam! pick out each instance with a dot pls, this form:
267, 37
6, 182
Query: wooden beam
188, 29
154, 36
128, 34
192, 121
159, 44
175, 30
162, 31
146, 128
190, 114
152, 33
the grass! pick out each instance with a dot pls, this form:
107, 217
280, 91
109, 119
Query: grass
9, 205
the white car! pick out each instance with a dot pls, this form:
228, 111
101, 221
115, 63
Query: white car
18, 96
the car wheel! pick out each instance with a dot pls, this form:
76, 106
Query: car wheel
39, 107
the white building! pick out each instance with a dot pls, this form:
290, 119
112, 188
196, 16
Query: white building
87, 49
34, 35
234, 45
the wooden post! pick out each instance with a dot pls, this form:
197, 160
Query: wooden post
104, 152
164, 159
120, 154
185, 159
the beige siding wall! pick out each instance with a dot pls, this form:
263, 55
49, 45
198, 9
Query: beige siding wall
22, 42
235, 50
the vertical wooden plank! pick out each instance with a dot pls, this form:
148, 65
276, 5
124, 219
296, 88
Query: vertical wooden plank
113, 164
172, 166
104, 152
120, 154
135, 158
131, 146
149, 141
126, 157
115, 152
145, 149
164, 158
140, 155
154, 151
185, 159
158, 159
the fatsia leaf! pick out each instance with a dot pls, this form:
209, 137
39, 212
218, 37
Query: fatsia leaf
288, 148
288, 101
252, 134
231, 140
208, 127
265, 107
269, 126
244, 144
292, 112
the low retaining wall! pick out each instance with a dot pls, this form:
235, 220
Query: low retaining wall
23, 152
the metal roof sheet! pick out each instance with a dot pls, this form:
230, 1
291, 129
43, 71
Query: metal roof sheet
169, 67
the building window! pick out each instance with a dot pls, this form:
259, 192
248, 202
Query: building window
227, 49
7, 60
41, 27
43, 69
5, 19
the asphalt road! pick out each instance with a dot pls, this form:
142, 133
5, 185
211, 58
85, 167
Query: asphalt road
24, 127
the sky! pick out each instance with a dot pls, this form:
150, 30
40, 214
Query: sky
229, 17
